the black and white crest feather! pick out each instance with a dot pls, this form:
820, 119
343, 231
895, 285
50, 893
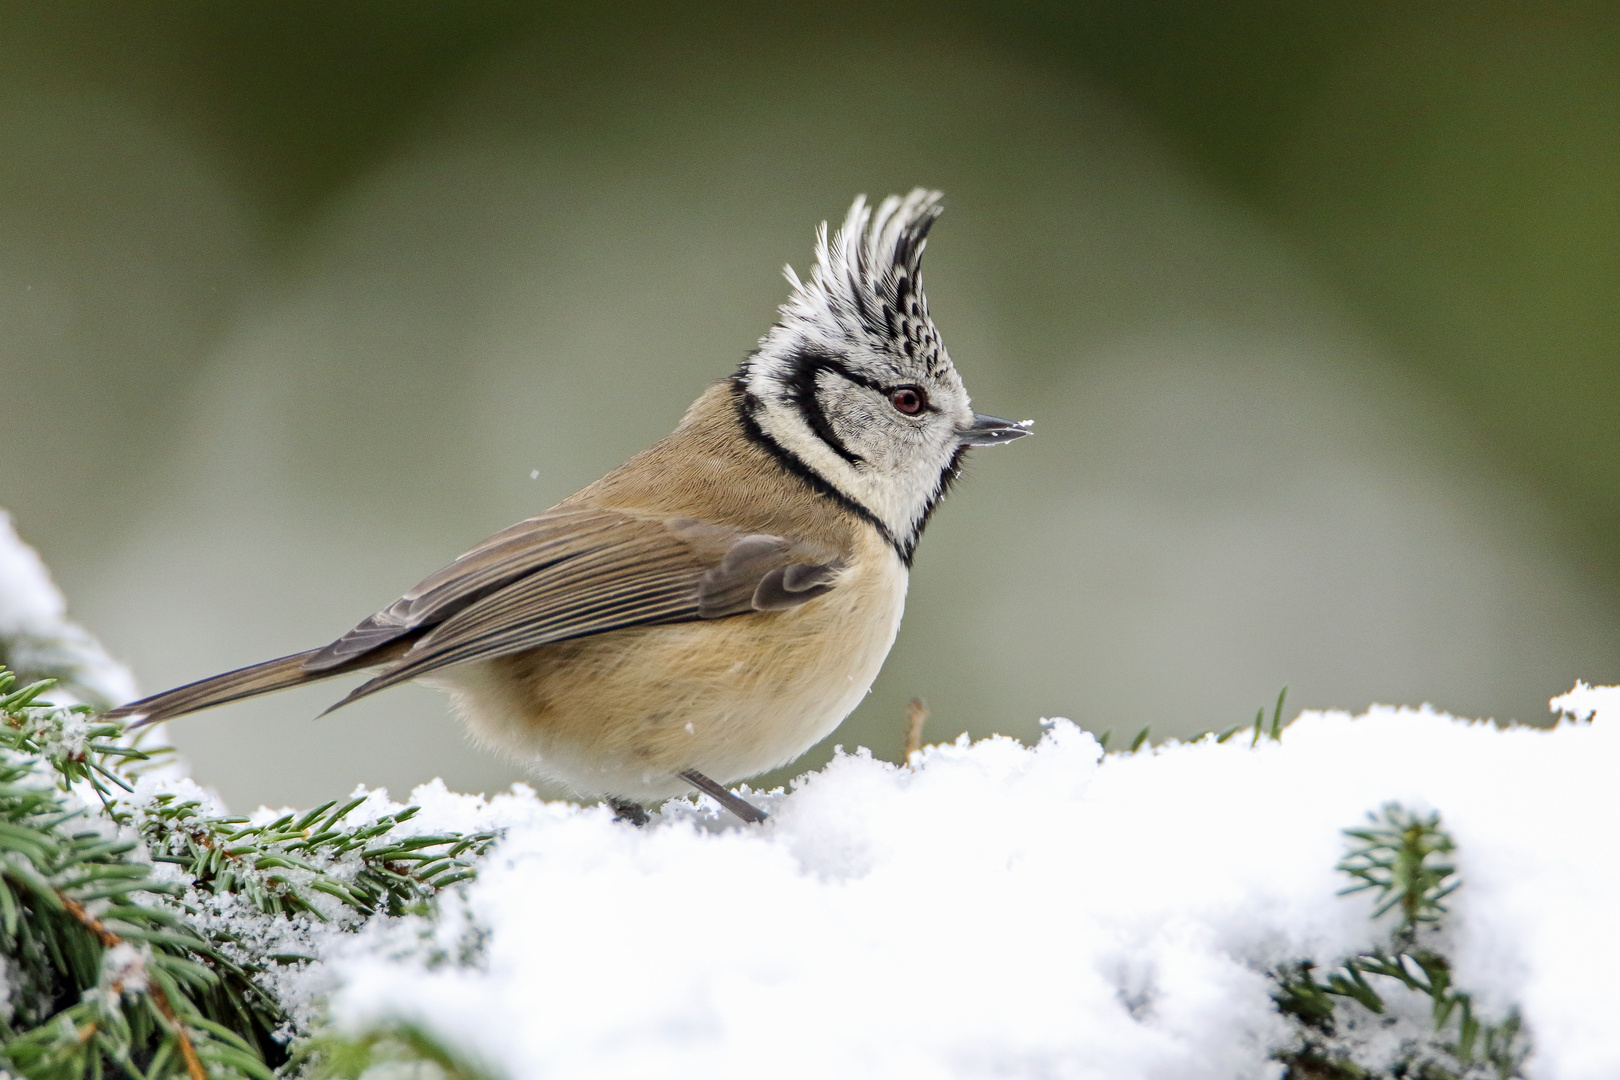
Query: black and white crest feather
867, 281
818, 390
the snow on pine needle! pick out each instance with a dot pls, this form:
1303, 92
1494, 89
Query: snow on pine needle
145, 931
1186, 910
1183, 911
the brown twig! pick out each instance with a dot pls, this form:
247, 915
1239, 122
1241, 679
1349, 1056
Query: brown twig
194, 1066
916, 717
107, 938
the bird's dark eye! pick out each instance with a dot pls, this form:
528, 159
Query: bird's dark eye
909, 399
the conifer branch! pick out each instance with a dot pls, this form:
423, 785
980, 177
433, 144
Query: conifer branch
110, 963
1401, 855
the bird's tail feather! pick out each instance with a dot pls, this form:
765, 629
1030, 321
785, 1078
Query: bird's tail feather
232, 686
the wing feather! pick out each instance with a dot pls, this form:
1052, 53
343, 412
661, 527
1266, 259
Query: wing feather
572, 574
509, 555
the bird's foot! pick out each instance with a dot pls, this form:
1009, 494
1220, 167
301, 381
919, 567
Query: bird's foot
625, 810
745, 810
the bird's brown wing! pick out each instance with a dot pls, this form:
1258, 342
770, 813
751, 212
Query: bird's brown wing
567, 573
530, 545
574, 573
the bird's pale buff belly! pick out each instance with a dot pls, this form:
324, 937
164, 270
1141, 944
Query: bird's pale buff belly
622, 713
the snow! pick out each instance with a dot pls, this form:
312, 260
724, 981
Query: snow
1002, 910
36, 637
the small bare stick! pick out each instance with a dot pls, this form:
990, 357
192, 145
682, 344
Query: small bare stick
916, 717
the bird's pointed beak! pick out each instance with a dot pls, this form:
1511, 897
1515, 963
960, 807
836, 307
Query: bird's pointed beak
993, 430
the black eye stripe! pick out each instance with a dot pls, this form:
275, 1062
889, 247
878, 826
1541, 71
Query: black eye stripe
749, 407
819, 362
806, 367
802, 383
809, 363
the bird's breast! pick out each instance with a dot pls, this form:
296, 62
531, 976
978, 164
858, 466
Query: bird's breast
621, 713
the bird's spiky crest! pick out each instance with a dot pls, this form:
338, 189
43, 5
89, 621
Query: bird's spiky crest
854, 327
866, 284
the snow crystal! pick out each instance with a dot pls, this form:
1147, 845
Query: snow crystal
1001, 910
123, 969
241, 932
60, 733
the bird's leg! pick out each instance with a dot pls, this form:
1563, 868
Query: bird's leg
750, 813
626, 810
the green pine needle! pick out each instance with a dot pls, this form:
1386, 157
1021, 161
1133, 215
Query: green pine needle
109, 972
1403, 857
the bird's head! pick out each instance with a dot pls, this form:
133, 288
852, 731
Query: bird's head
853, 383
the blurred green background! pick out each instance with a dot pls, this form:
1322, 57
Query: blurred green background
1316, 307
